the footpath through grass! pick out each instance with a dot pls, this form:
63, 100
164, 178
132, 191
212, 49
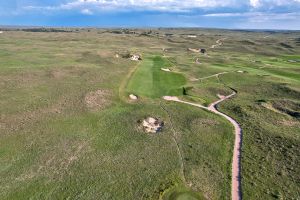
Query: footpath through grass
150, 81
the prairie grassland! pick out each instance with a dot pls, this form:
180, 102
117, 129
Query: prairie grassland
54, 144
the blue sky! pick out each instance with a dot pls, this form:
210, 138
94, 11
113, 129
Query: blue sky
241, 14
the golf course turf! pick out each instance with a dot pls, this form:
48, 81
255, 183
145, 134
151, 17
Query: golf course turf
150, 81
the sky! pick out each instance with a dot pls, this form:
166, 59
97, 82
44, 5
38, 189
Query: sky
232, 14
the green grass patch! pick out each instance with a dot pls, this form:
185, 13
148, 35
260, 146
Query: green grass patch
181, 193
150, 81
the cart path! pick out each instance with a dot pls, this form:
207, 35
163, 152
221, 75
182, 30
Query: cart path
214, 75
236, 191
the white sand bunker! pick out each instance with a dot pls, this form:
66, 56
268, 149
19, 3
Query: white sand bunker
194, 50
165, 69
240, 71
133, 97
198, 61
136, 57
152, 125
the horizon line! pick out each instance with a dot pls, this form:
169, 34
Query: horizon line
145, 27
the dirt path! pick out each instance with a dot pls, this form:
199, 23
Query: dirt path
236, 160
214, 75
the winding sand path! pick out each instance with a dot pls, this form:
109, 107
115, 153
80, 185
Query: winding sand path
214, 75
236, 191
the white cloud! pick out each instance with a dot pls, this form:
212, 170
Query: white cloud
255, 3
273, 3
167, 5
160, 5
86, 12
258, 16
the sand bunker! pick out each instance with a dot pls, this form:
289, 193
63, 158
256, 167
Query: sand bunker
135, 57
133, 97
97, 100
194, 50
152, 125
218, 43
165, 69
197, 61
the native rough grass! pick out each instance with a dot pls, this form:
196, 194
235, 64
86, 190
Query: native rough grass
53, 145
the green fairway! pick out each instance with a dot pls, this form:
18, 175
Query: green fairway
150, 81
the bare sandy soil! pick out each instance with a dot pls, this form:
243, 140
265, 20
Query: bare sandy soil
214, 75
165, 69
218, 43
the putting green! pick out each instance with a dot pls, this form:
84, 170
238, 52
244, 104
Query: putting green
150, 81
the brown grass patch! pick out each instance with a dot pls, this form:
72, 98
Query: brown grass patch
290, 123
71, 71
286, 107
21, 79
57, 74
19, 120
97, 100
203, 122
105, 54
56, 161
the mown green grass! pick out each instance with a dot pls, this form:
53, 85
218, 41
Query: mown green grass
150, 81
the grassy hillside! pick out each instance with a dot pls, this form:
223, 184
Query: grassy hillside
69, 131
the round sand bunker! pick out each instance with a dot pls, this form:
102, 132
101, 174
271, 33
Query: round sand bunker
133, 97
166, 69
152, 125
